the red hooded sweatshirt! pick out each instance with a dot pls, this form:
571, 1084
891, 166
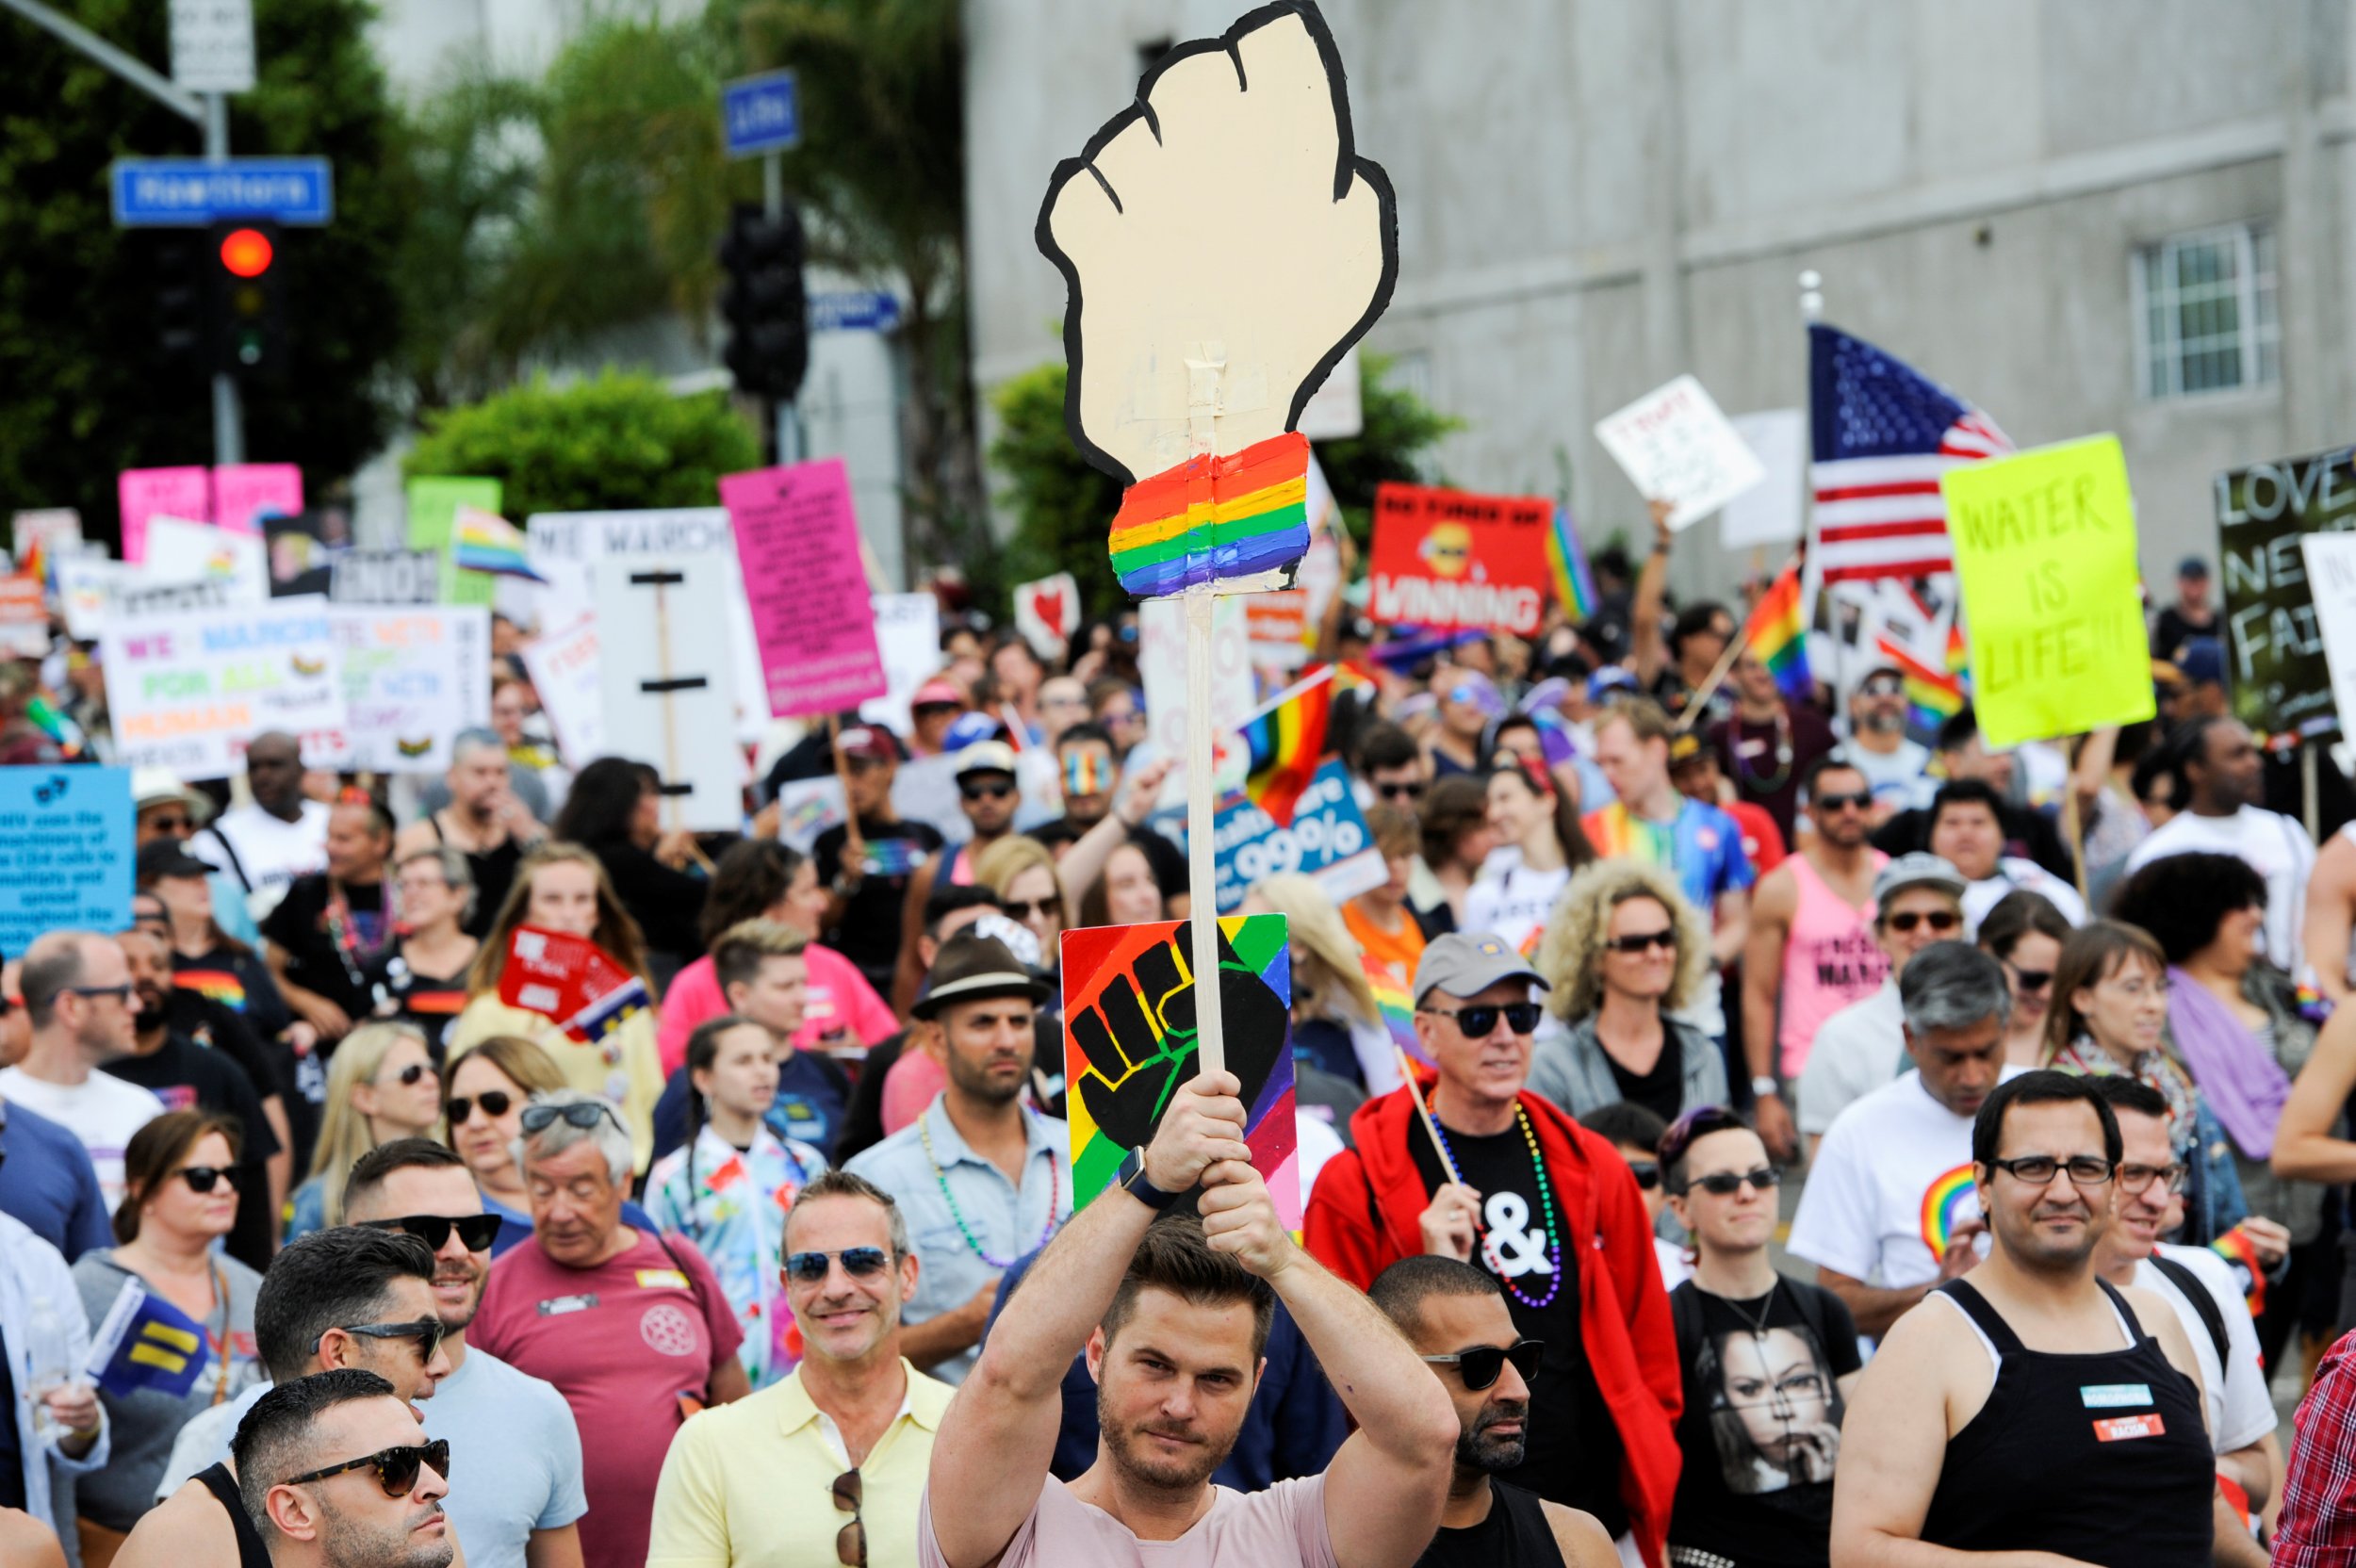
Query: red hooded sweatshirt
1364, 1216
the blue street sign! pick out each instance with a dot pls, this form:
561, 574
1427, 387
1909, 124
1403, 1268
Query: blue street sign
762, 114
861, 310
189, 193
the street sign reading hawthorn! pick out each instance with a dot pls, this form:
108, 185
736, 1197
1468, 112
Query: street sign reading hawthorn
189, 193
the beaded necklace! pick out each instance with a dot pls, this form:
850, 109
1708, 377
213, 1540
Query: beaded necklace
343, 932
1545, 1199
940, 1177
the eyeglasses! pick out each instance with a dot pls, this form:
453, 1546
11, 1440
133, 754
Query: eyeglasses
1647, 1173
1476, 1022
204, 1178
475, 1230
2086, 1171
121, 993
427, 1332
1399, 792
850, 1541
582, 1114
2030, 979
1026, 909
495, 1102
2137, 1178
1882, 688
859, 1263
172, 825
1725, 1184
985, 792
1480, 1366
1859, 801
1640, 941
415, 1073
1938, 920
396, 1468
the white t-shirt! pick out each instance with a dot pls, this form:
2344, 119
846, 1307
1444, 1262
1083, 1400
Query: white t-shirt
1892, 1183
2240, 1409
1511, 901
264, 852
102, 1111
2275, 847
1898, 778
1859, 1050
1675, 1270
2014, 875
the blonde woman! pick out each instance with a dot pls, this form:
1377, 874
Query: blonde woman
382, 1085
561, 886
1623, 951
1022, 873
1337, 1025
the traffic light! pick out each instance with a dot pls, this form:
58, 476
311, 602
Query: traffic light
767, 311
248, 318
176, 261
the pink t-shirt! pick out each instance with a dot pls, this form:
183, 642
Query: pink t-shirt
1830, 960
909, 1087
1282, 1525
839, 1001
624, 1343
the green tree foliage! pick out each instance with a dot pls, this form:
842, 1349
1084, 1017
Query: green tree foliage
1062, 508
612, 443
80, 394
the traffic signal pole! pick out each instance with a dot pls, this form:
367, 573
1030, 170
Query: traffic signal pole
228, 413
789, 427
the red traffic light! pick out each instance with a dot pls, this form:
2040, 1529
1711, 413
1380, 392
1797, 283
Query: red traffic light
246, 252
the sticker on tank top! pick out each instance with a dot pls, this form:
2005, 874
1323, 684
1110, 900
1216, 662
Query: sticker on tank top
2115, 1395
2119, 1429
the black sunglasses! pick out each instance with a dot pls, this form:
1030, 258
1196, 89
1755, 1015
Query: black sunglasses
1638, 942
477, 1231
1647, 1173
850, 1541
172, 825
396, 1468
409, 1076
1480, 1366
1476, 1022
1399, 792
1862, 800
494, 1104
582, 1114
2030, 979
1023, 908
204, 1178
1725, 1184
985, 792
1938, 920
427, 1332
857, 1262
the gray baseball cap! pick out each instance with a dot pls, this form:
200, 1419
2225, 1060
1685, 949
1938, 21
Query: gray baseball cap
1467, 963
1918, 869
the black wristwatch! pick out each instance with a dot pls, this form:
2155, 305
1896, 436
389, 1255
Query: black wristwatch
1133, 1180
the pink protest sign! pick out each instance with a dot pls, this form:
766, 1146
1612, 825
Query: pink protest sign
797, 542
145, 493
245, 493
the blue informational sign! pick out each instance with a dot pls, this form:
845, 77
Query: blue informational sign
65, 852
860, 310
1328, 839
189, 193
762, 114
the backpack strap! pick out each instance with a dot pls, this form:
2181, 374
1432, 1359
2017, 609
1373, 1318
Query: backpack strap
2189, 1286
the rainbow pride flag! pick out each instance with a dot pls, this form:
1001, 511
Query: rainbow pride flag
1286, 739
1935, 696
1399, 1011
1574, 584
486, 542
1779, 636
1237, 522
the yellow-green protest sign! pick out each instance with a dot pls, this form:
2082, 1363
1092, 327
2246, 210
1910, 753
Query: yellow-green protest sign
433, 504
2045, 551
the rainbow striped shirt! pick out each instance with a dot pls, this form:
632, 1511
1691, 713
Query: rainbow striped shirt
1237, 522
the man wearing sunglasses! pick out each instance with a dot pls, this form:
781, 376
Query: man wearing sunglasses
1917, 900
2035, 1412
1811, 951
1515, 1186
338, 1474
1890, 1211
1455, 1316
84, 1012
523, 1494
1968, 832
47, 1182
1896, 769
989, 795
1768, 1360
163, 807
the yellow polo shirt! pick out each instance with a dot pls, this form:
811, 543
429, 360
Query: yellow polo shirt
750, 1485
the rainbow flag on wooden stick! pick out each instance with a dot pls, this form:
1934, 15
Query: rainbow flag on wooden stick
1286, 740
486, 541
1778, 637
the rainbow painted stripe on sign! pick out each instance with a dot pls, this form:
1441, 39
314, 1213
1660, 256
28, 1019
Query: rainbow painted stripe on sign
1947, 1202
1235, 523
1574, 584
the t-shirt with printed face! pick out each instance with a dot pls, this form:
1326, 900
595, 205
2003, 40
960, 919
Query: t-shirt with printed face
628, 1344
1573, 1454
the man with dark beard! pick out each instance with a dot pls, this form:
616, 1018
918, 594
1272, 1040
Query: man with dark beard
376, 1503
1455, 1316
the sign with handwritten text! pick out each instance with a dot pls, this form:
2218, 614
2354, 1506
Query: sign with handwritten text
186, 691
413, 678
797, 542
2274, 641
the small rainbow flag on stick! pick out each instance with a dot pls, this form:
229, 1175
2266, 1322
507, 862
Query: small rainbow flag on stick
1286, 740
1936, 696
1573, 583
1399, 1009
486, 542
1778, 637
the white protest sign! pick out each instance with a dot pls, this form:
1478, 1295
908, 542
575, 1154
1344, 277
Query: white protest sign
1675, 445
386, 577
1047, 613
924, 789
414, 677
2332, 578
807, 808
86, 589
1770, 512
56, 529
907, 634
181, 551
186, 691
571, 684
1162, 665
669, 688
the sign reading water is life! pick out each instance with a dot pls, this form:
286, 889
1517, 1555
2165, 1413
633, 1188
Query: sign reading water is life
65, 852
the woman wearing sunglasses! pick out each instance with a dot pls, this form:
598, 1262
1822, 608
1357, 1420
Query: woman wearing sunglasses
381, 1085
179, 1199
1623, 951
488, 1086
1767, 1362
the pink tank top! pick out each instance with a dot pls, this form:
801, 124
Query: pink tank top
1830, 961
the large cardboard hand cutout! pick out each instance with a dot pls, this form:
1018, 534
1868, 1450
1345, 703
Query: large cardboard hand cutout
1222, 244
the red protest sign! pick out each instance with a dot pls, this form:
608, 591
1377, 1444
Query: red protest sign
556, 973
1445, 557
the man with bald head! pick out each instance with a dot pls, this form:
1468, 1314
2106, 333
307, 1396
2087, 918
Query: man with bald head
277, 837
83, 1009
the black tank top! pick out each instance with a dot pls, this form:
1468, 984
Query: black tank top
252, 1553
1515, 1535
2101, 1458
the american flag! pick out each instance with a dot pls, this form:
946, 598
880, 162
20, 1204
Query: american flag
1883, 433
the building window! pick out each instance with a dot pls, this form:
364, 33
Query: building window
2206, 313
